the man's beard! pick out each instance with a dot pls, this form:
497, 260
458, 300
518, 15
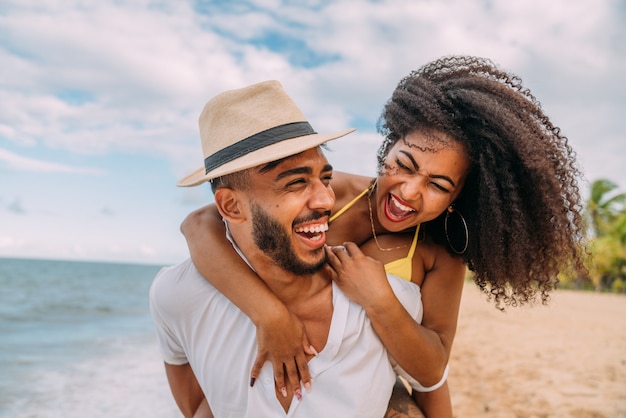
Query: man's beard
273, 240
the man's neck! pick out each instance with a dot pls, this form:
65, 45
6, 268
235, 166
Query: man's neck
292, 289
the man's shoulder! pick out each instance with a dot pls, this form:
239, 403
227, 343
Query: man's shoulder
400, 285
170, 275
175, 283
409, 294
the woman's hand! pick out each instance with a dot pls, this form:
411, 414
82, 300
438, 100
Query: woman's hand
361, 278
282, 340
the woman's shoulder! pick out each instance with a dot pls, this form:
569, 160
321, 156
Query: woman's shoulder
435, 255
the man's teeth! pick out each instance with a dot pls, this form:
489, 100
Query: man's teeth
313, 228
401, 206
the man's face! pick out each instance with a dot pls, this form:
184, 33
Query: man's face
274, 240
290, 204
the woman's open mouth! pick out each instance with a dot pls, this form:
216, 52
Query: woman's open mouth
397, 211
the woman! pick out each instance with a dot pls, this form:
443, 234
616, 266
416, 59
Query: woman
472, 174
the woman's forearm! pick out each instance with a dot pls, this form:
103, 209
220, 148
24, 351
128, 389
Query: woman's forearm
422, 350
417, 349
218, 262
435, 404
281, 337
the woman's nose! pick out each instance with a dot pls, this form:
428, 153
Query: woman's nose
412, 189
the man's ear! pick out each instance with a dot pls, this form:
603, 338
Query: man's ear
228, 202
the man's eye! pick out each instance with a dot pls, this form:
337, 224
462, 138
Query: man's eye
296, 182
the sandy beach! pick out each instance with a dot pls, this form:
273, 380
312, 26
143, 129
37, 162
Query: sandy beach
567, 359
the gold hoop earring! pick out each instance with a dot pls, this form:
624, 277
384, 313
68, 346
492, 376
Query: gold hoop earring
445, 225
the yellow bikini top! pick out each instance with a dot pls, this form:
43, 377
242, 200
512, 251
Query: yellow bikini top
402, 267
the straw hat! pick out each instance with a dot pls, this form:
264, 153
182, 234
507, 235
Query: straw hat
244, 128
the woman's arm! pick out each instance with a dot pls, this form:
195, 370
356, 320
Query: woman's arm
421, 350
410, 343
280, 334
436, 403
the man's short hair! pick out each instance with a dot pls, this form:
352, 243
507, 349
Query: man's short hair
239, 180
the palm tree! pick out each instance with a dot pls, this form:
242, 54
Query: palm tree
606, 212
605, 206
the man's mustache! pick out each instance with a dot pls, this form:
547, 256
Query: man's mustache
313, 216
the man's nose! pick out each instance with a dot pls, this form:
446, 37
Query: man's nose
323, 197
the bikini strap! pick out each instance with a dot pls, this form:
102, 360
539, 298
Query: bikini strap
414, 243
352, 202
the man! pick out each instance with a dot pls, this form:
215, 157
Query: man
271, 182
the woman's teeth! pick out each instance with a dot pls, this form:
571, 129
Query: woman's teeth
400, 206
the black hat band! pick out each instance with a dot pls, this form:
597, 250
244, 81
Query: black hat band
256, 142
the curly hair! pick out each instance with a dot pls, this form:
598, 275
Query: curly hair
521, 199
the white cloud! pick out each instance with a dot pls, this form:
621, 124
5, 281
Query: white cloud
150, 69
97, 80
32, 164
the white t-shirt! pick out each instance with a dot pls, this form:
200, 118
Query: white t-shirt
196, 324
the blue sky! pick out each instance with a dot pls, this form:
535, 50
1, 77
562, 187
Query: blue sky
99, 100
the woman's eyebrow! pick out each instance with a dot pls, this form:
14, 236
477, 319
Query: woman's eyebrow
410, 157
435, 176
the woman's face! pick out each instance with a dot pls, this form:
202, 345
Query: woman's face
422, 175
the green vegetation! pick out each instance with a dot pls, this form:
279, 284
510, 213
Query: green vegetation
606, 216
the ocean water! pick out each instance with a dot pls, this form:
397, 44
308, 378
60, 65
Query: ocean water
77, 340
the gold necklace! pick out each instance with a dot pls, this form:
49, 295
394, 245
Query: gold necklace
369, 205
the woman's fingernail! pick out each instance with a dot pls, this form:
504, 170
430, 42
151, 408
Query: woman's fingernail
298, 394
313, 350
283, 390
307, 386
252, 380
